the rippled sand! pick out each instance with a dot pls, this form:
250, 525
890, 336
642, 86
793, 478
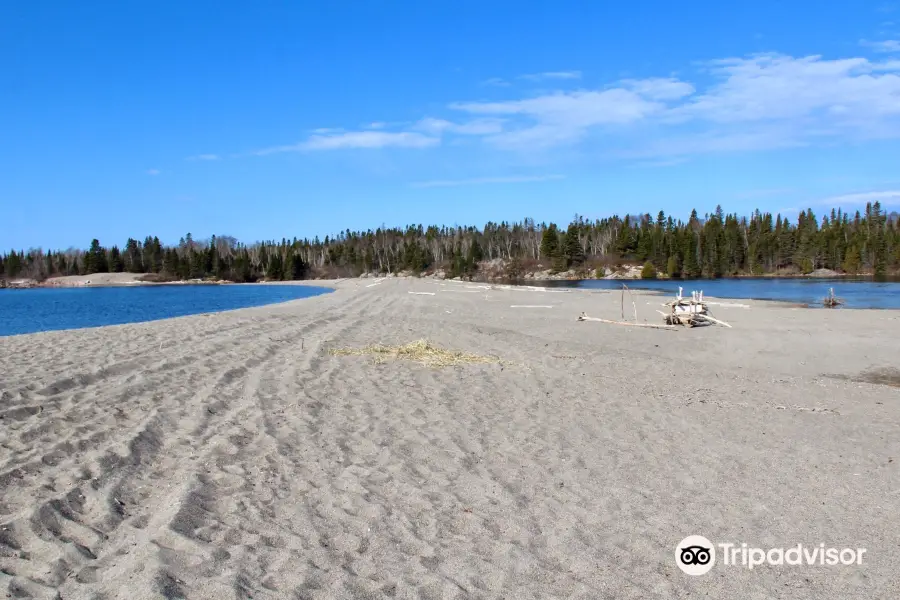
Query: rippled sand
233, 456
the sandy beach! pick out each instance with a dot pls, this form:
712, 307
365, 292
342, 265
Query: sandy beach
233, 455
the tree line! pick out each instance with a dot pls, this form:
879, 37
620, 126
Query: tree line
716, 245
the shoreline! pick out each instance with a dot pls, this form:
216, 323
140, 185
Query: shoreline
262, 448
132, 280
628, 273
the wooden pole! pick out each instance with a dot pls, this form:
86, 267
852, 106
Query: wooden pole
584, 317
714, 320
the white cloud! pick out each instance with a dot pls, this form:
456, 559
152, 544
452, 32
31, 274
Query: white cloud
473, 127
495, 82
862, 198
772, 87
204, 157
370, 139
153, 172
754, 103
659, 88
561, 117
486, 180
739, 104
552, 75
581, 108
356, 139
882, 46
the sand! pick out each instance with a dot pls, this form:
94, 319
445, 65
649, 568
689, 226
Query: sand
235, 456
95, 280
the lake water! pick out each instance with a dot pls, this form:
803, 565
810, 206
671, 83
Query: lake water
858, 293
45, 309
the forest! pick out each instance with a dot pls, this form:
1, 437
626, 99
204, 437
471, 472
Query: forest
715, 245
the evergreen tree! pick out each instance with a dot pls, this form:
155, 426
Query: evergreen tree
298, 268
95, 259
720, 244
691, 267
550, 243
574, 253
133, 260
275, 271
116, 262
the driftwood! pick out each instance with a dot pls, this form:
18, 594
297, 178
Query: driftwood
717, 321
682, 311
832, 301
691, 311
584, 317
633, 304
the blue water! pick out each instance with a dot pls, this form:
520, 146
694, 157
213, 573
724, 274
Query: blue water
857, 293
41, 309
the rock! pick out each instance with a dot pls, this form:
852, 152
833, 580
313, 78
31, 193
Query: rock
19, 284
824, 273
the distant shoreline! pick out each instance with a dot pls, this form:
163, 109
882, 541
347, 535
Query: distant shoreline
630, 272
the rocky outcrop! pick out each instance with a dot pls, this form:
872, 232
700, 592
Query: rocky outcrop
18, 284
824, 273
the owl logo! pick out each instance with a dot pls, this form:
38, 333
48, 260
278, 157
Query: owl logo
695, 555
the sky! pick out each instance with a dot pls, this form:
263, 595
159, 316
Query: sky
265, 119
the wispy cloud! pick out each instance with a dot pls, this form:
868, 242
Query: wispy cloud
485, 181
495, 82
551, 75
738, 104
153, 172
861, 198
882, 46
560, 117
358, 140
660, 88
759, 102
204, 157
473, 127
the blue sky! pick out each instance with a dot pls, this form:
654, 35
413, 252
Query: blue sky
278, 119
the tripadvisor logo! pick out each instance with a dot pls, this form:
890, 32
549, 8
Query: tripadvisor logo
696, 555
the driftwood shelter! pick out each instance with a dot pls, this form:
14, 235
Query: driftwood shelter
691, 311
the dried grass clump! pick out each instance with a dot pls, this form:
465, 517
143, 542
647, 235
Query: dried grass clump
420, 351
883, 376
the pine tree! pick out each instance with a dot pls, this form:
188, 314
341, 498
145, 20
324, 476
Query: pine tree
574, 253
690, 268
550, 243
275, 270
298, 268
95, 259
116, 263
474, 256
